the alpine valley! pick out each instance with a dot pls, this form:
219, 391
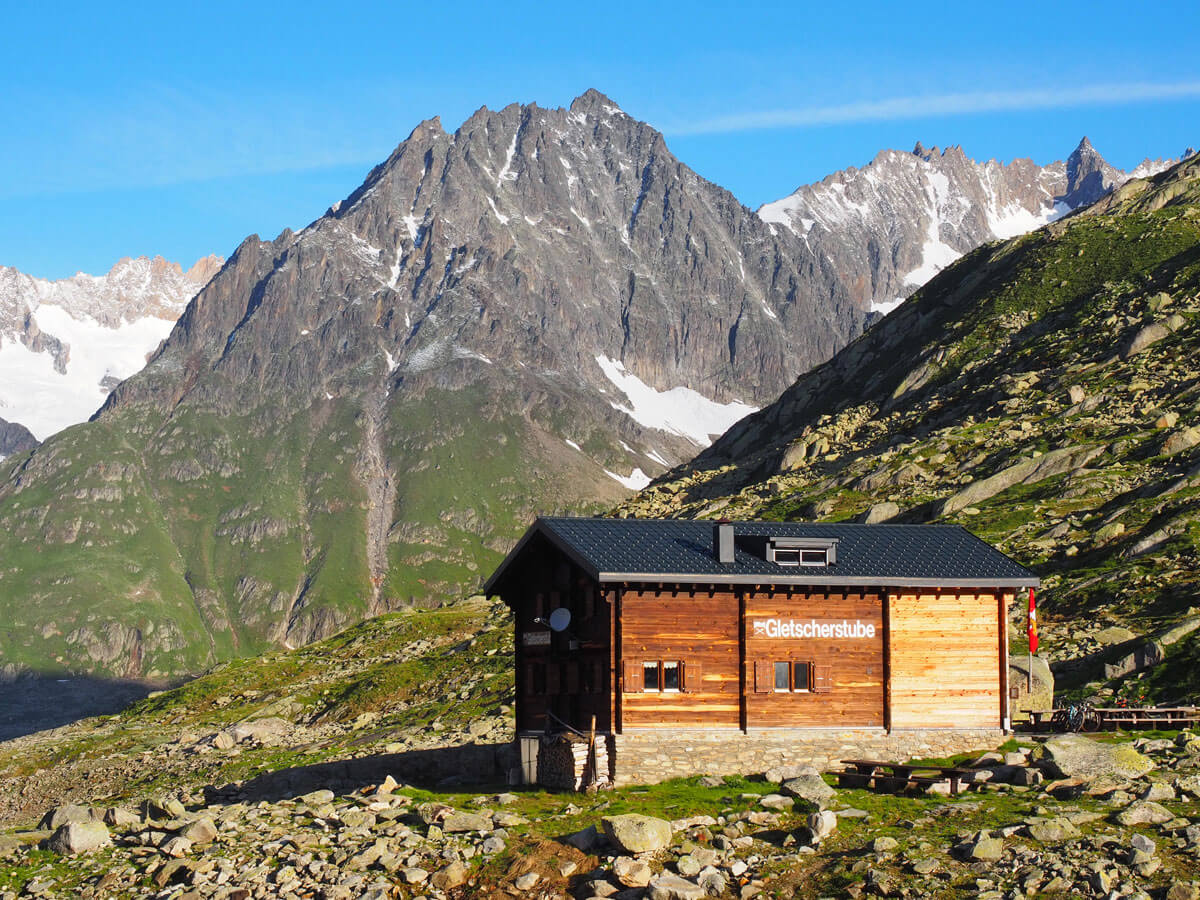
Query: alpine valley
535, 313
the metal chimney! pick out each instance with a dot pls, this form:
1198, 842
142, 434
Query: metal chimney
723, 542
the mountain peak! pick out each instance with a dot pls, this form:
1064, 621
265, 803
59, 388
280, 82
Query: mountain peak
591, 100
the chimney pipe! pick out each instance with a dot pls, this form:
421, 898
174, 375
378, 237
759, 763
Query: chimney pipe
723, 542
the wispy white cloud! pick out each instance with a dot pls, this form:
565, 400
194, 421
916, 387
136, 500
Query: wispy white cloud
936, 105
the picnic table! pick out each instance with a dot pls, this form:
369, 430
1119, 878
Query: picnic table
890, 777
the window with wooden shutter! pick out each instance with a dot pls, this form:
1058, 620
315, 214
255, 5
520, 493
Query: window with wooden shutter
764, 676
632, 676
572, 678
528, 688
693, 675
822, 679
553, 680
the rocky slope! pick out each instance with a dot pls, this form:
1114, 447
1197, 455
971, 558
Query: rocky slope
372, 765
65, 344
1041, 392
527, 314
890, 226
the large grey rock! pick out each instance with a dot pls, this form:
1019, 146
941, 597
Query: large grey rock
1074, 755
672, 887
811, 788
1041, 698
822, 824
1144, 656
458, 822
1027, 471
1052, 831
62, 815
631, 872
1144, 812
1145, 337
79, 837
635, 833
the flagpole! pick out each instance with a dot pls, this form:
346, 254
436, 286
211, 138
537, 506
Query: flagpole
1032, 632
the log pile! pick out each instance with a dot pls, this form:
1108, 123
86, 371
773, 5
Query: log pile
563, 763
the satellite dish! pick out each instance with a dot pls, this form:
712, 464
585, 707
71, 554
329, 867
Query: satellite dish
560, 619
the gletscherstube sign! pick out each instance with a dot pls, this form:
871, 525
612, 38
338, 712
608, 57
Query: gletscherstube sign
811, 628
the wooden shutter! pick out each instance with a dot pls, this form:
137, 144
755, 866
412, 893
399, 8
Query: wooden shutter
693, 674
572, 678
633, 676
553, 672
822, 679
527, 687
764, 676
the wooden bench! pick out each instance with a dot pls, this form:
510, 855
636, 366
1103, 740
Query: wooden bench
1140, 719
894, 778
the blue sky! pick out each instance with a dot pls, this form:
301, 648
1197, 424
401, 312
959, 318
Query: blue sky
173, 129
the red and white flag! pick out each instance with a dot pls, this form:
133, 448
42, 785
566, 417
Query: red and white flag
1033, 635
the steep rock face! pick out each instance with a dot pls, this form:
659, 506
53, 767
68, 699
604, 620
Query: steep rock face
15, 438
65, 344
524, 315
889, 227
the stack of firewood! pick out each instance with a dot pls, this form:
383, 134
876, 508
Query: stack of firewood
564, 762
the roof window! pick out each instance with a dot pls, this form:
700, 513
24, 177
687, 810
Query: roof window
816, 552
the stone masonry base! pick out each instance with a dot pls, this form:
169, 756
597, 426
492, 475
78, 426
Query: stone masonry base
648, 756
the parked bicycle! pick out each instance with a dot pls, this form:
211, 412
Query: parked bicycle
1079, 716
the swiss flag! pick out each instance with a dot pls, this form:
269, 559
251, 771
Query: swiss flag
1033, 635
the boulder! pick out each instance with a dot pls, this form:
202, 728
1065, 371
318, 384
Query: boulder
1041, 697
822, 824
79, 837
1144, 812
1145, 337
1052, 831
811, 788
1144, 656
461, 822
672, 887
777, 802
202, 831
452, 876
880, 512
635, 833
584, 840
780, 774
633, 873
1180, 441
526, 881
63, 815
1073, 755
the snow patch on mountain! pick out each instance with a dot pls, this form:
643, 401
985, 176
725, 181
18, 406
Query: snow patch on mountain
679, 410
65, 344
45, 400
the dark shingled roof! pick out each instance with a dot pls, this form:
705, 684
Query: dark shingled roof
681, 550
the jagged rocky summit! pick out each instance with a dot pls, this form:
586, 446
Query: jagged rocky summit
65, 344
525, 315
892, 225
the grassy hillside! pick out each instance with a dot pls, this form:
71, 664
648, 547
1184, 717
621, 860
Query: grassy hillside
1044, 393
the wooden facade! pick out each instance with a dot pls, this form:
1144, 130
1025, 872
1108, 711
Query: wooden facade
641, 655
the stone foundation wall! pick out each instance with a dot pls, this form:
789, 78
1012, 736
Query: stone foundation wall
649, 756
